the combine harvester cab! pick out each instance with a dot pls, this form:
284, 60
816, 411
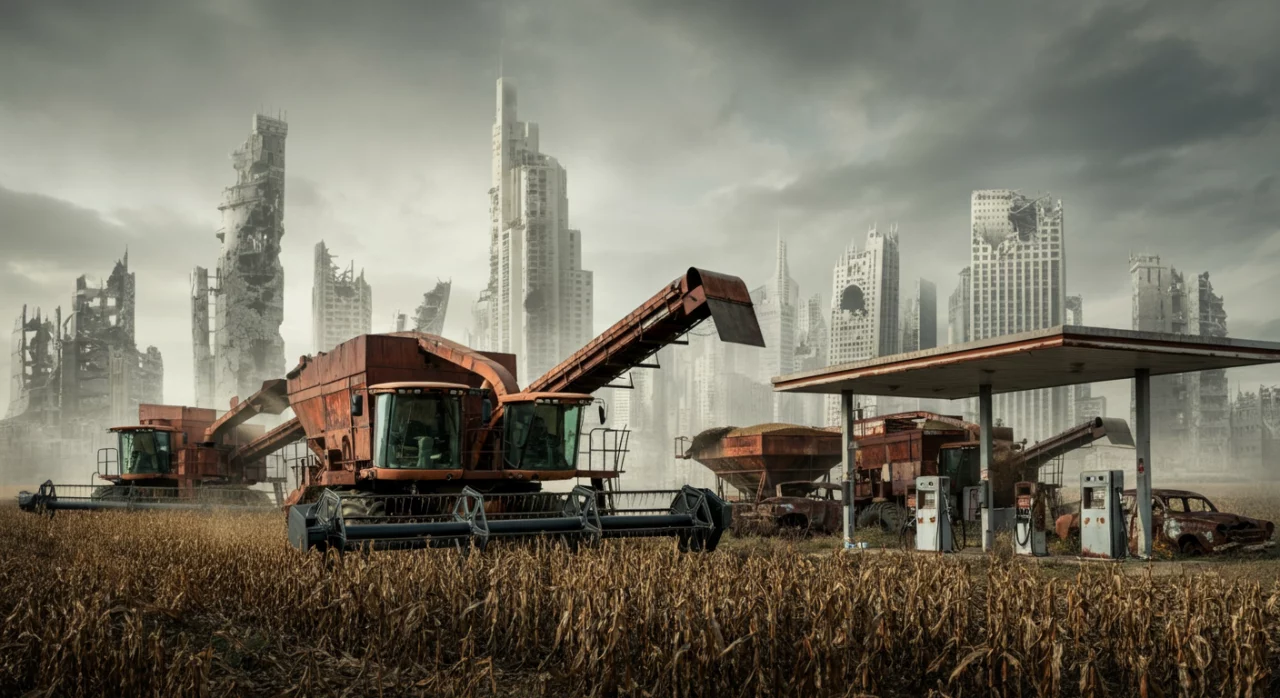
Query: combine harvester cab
419, 441
179, 458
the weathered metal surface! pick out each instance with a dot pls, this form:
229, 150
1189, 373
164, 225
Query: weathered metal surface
1191, 532
272, 441
756, 463
662, 319
50, 498
1113, 429
272, 398
585, 515
1040, 359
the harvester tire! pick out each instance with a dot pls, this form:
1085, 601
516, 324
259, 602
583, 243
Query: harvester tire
363, 506
886, 515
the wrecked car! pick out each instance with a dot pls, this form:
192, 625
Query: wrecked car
797, 507
1187, 522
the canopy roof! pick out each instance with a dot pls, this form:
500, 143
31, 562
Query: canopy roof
1063, 355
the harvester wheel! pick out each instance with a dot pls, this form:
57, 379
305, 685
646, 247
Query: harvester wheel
887, 515
363, 506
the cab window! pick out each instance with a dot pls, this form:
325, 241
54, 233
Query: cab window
144, 452
542, 436
419, 430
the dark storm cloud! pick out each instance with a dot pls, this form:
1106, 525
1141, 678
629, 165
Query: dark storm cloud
692, 132
1109, 114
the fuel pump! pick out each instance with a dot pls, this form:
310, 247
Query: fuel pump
1029, 523
933, 513
1102, 524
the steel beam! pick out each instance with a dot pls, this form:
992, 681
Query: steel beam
848, 450
985, 449
1142, 400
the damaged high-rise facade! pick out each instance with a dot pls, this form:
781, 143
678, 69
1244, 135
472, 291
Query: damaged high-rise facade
1018, 284
237, 312
864, 307
74, 375
429, 317
1191, 413
538, 303
341, 302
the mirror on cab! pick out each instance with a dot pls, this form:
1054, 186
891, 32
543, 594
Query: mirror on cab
357, 405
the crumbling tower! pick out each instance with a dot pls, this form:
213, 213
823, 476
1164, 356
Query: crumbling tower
341, 302
247, 296
429, 317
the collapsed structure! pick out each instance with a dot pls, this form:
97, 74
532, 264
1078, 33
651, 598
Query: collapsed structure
429, 317
73, 376
245, 301
1191, 418
341, 302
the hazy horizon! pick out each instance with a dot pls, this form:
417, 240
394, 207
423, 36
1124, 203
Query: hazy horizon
692, 134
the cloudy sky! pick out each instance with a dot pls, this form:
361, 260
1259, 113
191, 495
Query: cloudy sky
692, 133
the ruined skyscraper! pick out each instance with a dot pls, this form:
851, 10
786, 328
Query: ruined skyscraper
33, 364
864, 307
341, 302
1018, 284
1190, 414
776, 311
1081, 405
1207, 392
920, 318
247, 295
429, 317
103, 375
75, 375
958, 309
538, 304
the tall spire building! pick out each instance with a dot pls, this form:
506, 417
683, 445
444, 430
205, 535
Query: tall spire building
538, 304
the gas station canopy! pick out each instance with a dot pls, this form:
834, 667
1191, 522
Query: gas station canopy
1063, 355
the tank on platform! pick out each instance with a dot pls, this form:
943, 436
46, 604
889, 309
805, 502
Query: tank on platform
755, 459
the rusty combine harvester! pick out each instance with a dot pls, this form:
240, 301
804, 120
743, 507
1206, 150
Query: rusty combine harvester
421, 441
893, 450
180, 458
415, 440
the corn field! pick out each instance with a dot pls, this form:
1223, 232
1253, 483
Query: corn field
163, 604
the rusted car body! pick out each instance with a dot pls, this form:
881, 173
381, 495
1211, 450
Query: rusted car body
807, 507
1187, 522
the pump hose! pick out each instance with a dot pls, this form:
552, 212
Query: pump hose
1021, 540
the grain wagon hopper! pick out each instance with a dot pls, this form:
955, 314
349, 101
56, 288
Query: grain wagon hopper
893, 450
778, 472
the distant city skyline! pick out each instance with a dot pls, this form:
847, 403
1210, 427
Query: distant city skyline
728, 121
